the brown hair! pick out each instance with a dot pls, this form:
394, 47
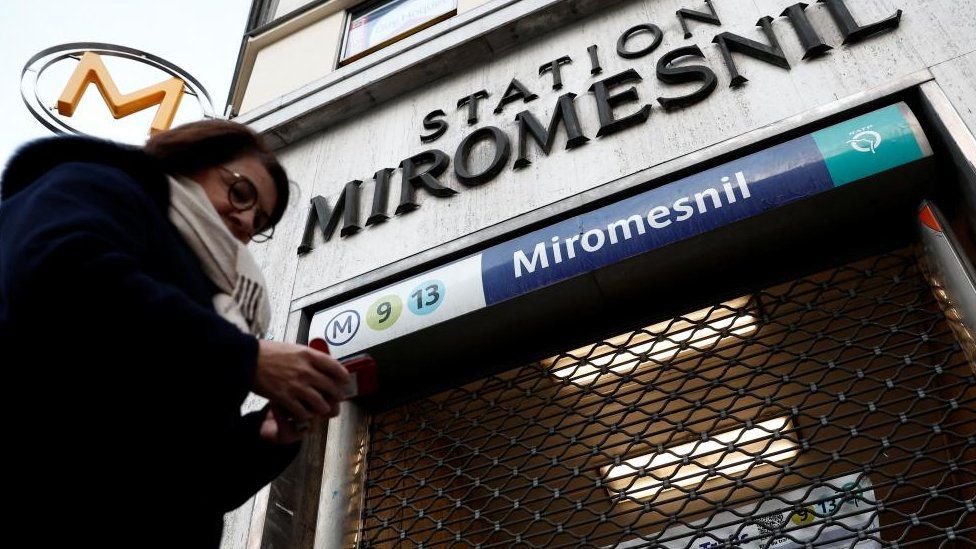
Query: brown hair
208, 143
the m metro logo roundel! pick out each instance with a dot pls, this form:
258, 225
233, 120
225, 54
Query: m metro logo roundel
342, 327
167, 94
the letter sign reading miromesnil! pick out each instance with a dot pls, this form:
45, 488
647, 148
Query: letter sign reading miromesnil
167, 93
617, 98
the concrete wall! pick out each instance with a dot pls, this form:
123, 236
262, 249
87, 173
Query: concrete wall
294, 60
931, 34
466, 5
957, 77
935, 36
285, 7
290, 59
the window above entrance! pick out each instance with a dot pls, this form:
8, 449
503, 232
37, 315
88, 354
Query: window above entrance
375, 25
291, 44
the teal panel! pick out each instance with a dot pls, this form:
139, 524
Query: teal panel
868, 144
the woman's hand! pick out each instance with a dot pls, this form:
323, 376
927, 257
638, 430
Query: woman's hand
277, 429
301, 381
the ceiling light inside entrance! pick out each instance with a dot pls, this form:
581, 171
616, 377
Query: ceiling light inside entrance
700, 331
719, 457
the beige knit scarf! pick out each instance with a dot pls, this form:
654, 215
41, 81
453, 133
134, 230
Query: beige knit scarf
242, 298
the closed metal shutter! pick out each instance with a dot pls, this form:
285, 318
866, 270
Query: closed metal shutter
832, 410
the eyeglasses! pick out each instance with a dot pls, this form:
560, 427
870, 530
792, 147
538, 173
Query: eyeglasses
242, 194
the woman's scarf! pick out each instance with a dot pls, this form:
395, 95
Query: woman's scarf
242, 298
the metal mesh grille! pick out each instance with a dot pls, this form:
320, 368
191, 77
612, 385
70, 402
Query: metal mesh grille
833, 410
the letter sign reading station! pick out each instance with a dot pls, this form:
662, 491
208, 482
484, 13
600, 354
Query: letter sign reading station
618, 103
740, 189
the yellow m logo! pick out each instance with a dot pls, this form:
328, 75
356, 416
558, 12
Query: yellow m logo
167, 94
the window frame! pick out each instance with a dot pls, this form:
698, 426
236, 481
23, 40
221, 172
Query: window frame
262, 12
365, 7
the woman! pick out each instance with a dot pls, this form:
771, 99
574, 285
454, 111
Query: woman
129, 307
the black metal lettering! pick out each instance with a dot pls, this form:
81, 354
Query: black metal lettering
433, 122
605, 103
595, 67
327, 219
849, 27
516, 90
529, 126
502, 150
553, 67
679, 75
472, 103
685, 13
656, 33
381, 194
773, 53
813, 44
426, 179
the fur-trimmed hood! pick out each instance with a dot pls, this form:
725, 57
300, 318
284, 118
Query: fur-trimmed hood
38, 157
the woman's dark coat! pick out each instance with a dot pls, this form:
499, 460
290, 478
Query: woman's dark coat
123, 385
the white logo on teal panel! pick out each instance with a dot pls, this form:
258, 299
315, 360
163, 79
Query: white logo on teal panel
869, 144
865, 140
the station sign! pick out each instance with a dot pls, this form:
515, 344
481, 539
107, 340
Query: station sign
750, 186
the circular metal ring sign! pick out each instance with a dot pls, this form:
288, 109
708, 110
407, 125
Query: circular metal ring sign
43, 60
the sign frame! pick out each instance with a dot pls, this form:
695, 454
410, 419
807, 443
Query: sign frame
828, 152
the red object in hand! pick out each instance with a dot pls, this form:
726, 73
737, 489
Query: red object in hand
319, 344
361, 367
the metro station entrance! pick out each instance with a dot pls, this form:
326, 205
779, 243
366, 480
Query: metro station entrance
831, 410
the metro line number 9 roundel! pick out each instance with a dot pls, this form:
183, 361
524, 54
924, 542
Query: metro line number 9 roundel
384, 312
